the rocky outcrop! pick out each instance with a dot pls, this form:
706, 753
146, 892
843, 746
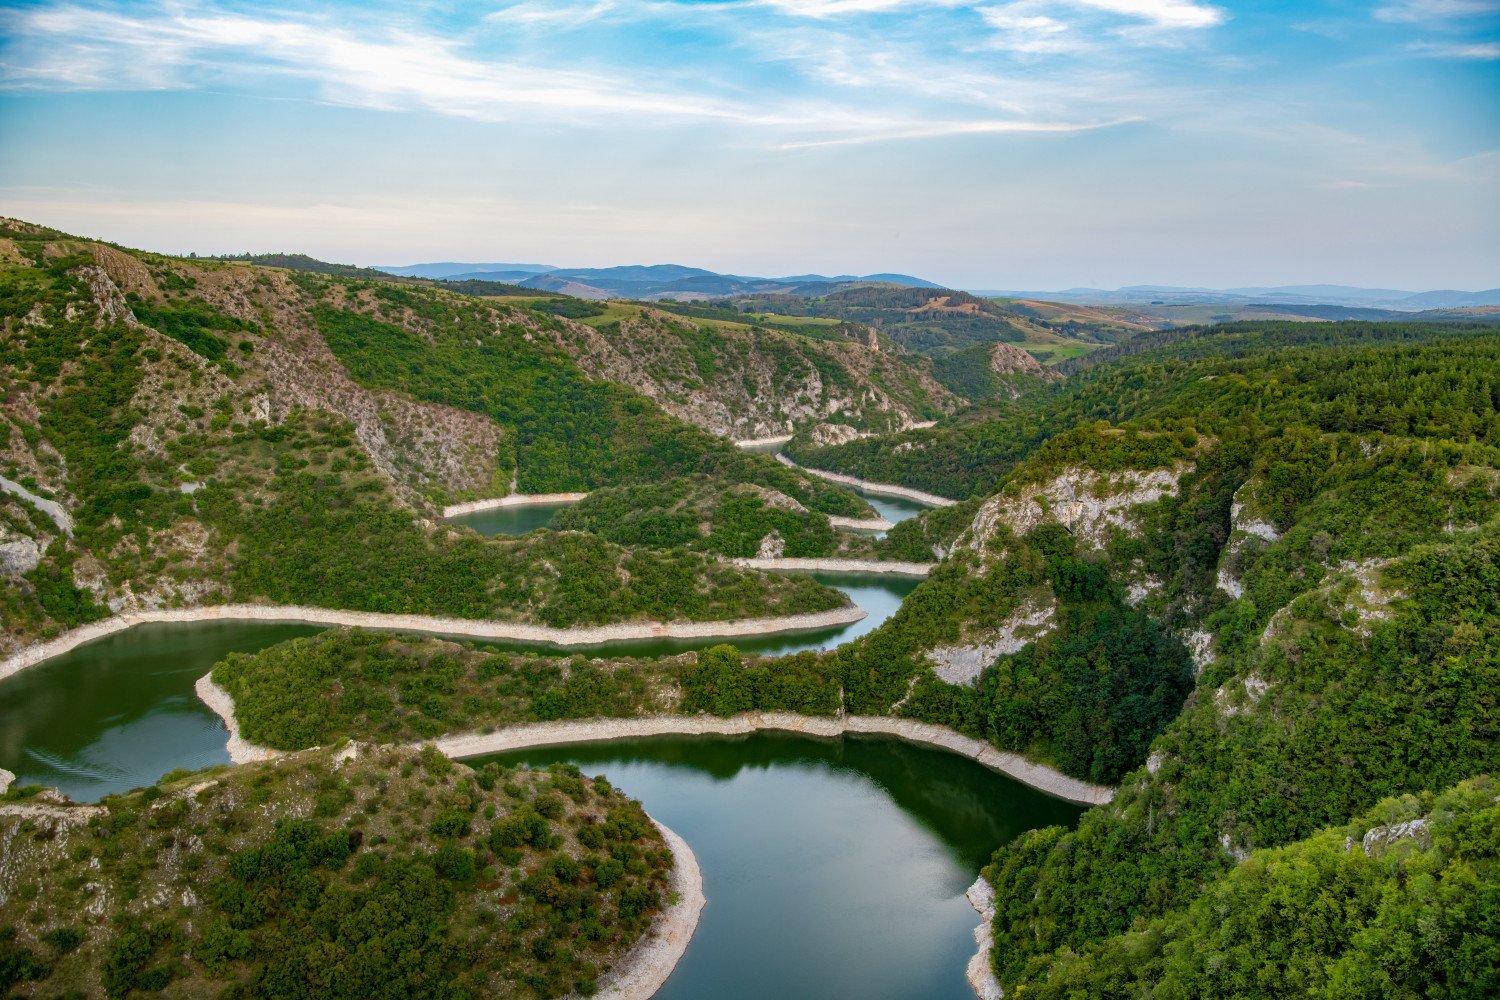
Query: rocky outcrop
18, 556
744, 383
962, 664
828, 435
982, 978
1089, 504
52, 509
1248, 536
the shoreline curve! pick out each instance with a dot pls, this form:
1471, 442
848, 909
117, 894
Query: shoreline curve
650, 962
890, 567
525, 736
528, 735
514, 500
585, 635
879, 489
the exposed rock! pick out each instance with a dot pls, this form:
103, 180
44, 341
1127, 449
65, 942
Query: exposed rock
775, 499
1200, 646
1255, 688
771, 546
1088, 503
827, 435
18, 556
1227, 583
1384, 836
964, 663
981, 974
760, 383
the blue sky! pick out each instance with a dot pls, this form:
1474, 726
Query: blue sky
1025, 144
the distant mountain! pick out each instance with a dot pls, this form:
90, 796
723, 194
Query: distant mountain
450, 269
1451, 300
1281, 295
646, 281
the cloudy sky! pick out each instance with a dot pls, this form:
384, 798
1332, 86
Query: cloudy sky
1029, 144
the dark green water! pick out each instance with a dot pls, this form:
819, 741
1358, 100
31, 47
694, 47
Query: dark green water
833, 867
893, 509
119, 712
510, 520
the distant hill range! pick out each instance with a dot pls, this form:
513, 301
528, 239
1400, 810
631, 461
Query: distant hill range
645, 281
1388, 299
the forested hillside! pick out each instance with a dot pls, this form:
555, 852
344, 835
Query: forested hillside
939, 321
178, 433
743, 378
359, 872
1424, 380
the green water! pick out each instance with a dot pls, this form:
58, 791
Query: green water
510, 520
833, 867
893, 509
119, 712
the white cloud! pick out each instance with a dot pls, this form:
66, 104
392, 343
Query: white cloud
1160, 13
1434, 11
935, 130
1484, 51
75, 47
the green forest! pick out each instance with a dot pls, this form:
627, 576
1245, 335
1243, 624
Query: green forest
407, 876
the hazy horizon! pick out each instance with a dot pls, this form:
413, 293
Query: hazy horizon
1038, 144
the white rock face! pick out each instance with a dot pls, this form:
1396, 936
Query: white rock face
963, 664
771, 546
1379, 836
1200, 645
1088, 503
824, 435
1229, 584
1255, 688
19, 556
980, 973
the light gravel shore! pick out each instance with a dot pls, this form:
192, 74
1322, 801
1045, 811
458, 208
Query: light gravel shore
764, 442
514, 500
879, 489
521, 737
647, 966
860, 523
884, 566
979, 970
590, 635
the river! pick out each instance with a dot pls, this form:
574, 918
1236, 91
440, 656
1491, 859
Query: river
833, 867
119, 712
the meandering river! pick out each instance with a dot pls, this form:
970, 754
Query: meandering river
833, 867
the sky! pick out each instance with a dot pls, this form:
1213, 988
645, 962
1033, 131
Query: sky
1030, 144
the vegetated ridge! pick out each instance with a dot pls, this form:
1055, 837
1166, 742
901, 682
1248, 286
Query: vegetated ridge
357, 872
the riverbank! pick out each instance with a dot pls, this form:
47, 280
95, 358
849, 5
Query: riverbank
581, 635
764, 442
546, 734
860, 523
514, 500
647, 966
879, 489
540, 734
889, 567
981, 973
